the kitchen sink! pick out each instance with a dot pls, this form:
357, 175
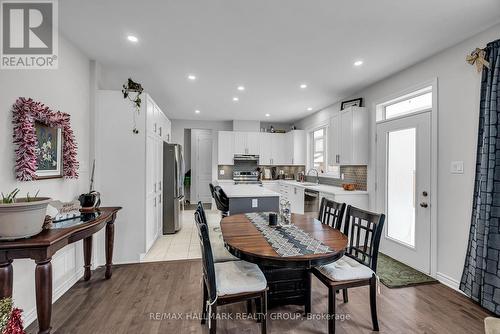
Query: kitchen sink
308, 184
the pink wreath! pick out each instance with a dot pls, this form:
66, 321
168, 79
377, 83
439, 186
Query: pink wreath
25, 113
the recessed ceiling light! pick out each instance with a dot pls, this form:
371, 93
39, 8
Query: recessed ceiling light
191, 77
241, 88
309, 109
132, 38
236, 99
267, 115
197, 111
303, 86
358, 63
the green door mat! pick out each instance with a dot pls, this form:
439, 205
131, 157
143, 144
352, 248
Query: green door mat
395, 274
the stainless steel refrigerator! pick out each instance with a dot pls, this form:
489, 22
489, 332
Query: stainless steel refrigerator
173, 187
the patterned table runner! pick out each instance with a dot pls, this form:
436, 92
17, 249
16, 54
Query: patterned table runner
287, 241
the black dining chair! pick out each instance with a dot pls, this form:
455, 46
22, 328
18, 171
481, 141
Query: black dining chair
221, 201
331, 213
359, 264
219, 251
228, 282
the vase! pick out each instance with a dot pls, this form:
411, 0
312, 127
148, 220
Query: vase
22, 219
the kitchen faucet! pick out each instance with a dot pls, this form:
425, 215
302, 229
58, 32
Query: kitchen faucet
317, 174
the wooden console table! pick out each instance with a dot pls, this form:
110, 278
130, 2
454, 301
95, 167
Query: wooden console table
43, 246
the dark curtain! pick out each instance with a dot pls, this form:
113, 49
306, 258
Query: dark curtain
481, 275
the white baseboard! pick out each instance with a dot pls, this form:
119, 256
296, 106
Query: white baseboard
448, 281
30, 315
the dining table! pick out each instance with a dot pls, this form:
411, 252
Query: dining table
286, 253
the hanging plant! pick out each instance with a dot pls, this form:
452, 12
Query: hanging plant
128, 91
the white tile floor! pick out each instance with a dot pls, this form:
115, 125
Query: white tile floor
183, 244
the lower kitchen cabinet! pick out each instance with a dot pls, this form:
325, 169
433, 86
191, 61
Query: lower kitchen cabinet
358, 200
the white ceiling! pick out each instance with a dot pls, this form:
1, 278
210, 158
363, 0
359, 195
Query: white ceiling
270, 47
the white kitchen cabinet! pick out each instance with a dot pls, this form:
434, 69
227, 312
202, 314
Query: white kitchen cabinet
240, 143
298, 149
296, 198
280, 149
246, 143
130, 167
225, 144
253, 143
348, 137
357, 200
265, 156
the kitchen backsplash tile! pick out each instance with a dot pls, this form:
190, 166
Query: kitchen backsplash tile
290, 172
352, 174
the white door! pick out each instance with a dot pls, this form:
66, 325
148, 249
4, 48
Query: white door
201, 165
403, 188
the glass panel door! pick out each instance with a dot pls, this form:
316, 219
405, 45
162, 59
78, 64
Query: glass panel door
401, 157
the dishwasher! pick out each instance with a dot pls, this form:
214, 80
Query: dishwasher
311, 200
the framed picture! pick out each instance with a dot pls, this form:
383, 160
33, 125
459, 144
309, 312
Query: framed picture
48, 151
351, 103
45, 143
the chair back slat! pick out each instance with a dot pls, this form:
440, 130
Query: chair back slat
206, 253
364, 230
331, 213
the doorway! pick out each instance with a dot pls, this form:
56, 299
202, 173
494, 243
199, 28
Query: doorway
201, 165
403, 188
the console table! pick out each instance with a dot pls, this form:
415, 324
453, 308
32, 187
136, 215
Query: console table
43, 246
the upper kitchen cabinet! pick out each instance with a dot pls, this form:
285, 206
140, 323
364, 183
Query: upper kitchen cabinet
348, 137
225, 145
298, 147
280, 149
157, 124
246, 143
265, 156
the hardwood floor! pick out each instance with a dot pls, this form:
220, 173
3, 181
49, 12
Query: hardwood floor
139, 294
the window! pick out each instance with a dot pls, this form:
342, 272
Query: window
420, 100
318, 158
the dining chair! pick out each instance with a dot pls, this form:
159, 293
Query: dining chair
359, 264
331, 213
221, 201
219, 251
228, 282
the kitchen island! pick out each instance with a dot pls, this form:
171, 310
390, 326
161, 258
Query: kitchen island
244, 198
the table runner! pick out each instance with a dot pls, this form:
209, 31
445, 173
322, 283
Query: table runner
287, 241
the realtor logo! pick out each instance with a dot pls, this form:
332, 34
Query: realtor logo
28, 34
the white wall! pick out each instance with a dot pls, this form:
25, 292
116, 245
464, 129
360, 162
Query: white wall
65, 89
179, 125
458, 108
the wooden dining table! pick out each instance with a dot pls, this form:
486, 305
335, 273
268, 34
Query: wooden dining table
288, 277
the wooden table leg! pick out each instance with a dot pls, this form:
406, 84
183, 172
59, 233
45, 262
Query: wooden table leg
6, 279
87, 256
110, 236
43, 291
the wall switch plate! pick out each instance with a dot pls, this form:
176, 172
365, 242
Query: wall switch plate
255, 203
221, 172
457, 167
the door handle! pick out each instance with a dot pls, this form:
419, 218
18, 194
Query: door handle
424, 205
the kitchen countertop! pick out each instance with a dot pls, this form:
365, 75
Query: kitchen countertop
247, 190
321, 188
325, 188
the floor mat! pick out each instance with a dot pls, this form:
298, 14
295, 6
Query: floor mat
395, 274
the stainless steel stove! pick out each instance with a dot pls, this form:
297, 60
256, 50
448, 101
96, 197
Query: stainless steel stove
246, 177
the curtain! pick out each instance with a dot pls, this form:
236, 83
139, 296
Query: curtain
481, 275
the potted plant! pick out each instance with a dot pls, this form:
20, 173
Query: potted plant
21, 217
